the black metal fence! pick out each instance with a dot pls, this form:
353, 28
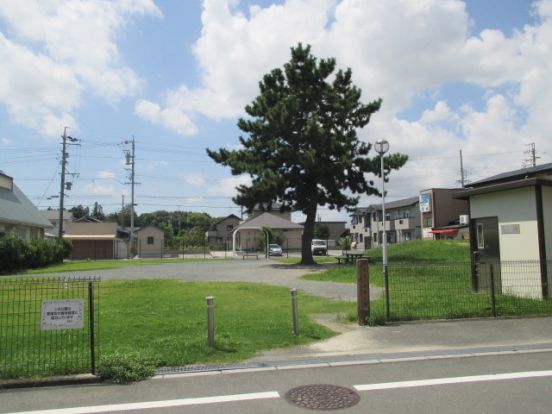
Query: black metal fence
460, 290
48, 326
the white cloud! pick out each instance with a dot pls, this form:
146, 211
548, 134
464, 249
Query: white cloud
5, 141
56, 50
194, 179
101, 190
227, 186
104, 174
173, 117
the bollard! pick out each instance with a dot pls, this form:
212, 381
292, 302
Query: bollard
211, 321
295, 311
492, 290
363, 291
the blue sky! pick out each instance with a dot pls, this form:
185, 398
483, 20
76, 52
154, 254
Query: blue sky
176, 75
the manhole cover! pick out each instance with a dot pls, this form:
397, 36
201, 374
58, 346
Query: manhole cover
322, 397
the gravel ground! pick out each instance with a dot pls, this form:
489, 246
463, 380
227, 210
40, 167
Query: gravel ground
256, 271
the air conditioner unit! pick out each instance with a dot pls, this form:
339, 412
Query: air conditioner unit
464, 219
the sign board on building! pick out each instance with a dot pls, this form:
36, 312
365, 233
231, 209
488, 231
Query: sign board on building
62, 314
509, 228
425, 202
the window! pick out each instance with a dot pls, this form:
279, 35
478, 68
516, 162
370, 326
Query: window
375, 238
229, 227
480, 236
150, 240
360, 238
429, 222
406, 214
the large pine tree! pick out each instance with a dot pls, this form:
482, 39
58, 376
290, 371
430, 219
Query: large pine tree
302, 149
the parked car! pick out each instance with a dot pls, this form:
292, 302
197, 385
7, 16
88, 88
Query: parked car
274, 250
319, 247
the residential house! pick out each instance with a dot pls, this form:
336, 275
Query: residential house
150, 242
402, 223
95, 241
442, 215
247, 236
337, 229
52, 215
511, 223
18, 215
222, 230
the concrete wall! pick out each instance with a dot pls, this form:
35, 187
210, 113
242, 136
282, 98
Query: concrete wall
514, 207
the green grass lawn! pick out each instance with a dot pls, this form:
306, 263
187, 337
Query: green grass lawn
164, 321
84, 265
431, 280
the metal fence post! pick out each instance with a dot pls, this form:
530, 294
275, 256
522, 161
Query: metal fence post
211, 321
386, 282
363, 292
295, 311
91, 329
492, 289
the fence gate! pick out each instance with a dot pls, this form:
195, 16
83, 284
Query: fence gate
48, 326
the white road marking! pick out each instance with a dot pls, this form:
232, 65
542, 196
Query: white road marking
453, 380
156, 404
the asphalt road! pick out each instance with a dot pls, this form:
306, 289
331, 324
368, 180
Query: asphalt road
513, 383
255, 271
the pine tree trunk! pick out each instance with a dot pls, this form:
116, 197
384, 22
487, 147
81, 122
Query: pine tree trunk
308, 232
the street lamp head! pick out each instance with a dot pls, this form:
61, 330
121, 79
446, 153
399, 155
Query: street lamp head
381, 146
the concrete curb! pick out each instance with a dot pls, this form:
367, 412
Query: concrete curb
50, 381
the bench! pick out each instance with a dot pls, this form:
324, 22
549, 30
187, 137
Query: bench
247, 254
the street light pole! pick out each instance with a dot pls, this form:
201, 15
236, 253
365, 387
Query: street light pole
381, 147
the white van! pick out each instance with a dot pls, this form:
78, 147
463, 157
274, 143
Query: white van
319, 247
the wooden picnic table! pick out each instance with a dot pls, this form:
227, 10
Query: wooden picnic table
350, 257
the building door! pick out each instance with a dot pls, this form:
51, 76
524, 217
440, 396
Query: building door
487, 251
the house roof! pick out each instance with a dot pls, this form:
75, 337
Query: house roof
269, 220
54, 214
404, 202
227, 217
90, 231
544, 169
502, 186
16, 208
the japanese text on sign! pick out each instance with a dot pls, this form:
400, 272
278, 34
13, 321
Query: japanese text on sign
62, 314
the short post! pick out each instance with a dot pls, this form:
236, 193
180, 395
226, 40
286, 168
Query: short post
492, 289
295, 311
211, 321
363, 292
91, 329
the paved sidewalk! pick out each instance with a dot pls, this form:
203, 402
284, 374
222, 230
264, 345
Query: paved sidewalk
422, 337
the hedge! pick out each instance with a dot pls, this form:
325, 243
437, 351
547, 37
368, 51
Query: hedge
17, 254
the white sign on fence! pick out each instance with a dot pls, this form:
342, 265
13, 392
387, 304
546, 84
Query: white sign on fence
62, 314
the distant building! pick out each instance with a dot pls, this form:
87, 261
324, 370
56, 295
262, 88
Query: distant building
247, 235
402, 223
150, 242
94, 241
221, 232
18, 215
52, 215
442, 215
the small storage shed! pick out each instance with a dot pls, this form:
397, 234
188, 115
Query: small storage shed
150, 242
511, 225
95, 241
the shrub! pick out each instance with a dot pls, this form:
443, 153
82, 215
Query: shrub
123, 368
18, 254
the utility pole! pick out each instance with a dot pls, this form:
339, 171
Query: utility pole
532, 160
64, 185
122, 218
461, 170
131, 160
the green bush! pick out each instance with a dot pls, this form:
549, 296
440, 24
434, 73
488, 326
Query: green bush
18, 254
123, 368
